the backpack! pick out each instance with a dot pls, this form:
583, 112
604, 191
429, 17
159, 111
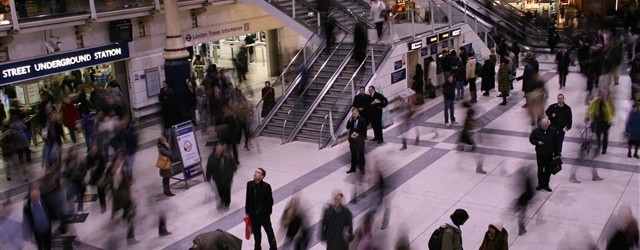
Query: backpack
435, 241
478, 69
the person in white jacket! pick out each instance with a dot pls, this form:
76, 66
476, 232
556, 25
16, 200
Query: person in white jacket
377, 9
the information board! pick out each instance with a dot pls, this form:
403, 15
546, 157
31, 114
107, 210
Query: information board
189, 150
152, 78
397, 65
398, 76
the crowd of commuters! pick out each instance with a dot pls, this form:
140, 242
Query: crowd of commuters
111, 141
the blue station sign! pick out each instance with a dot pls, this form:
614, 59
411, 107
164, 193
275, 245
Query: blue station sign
18, 71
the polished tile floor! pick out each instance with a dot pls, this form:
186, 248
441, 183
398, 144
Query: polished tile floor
427, 182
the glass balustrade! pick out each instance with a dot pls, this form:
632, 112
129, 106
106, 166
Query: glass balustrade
37, 10
113, 5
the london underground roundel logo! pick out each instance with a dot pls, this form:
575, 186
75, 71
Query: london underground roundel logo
187, 37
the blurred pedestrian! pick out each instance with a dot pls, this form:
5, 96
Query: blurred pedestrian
258, 207
378, 15
96, 165
525, 181
241, 63
496, 237
221, 168
364, 234
294, 222
337, 224
37, 220
601, 113
70, 117
329, 27
75, 174
217, 239
360, 41
227, 128
626, 235
168, 106
118, 182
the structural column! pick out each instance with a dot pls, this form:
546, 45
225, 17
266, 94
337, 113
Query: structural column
176, 57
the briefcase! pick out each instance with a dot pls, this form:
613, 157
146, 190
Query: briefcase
556, 165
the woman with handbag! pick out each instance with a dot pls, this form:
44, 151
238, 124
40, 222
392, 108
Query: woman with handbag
164, 164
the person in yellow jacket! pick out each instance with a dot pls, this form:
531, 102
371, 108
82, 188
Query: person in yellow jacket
601, 113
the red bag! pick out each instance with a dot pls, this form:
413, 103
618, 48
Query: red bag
247, 227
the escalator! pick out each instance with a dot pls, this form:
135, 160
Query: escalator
337, 98
510, 27
283, 120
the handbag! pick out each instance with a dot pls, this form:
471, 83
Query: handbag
163, 162
556, 165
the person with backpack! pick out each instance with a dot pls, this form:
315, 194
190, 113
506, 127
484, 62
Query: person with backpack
449, 235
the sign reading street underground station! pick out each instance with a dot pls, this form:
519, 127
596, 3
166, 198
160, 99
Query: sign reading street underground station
18, 71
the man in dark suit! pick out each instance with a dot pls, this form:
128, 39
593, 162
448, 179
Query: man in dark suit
258, 206
357, 134
362, 102
545, 138
563, 60
378, 102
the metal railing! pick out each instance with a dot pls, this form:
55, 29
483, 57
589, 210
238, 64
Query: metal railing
300, 57
349, 89
304, 94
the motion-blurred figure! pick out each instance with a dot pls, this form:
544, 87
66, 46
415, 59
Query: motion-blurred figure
337, 224
525, 181
295, 223
466, 139
626, 236
221, 168
37, 220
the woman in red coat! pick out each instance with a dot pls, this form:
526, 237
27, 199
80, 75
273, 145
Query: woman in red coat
69, 117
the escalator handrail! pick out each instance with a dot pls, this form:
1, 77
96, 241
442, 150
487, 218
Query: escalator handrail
306, 88
352, 81
287, 91
530, 27
308, 5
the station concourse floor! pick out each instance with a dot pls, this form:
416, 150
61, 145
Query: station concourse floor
427, 182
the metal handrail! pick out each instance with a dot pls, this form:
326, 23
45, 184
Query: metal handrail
277, 5
316, 76
351, 83
284, 124
287, 90
514, 27
322, 129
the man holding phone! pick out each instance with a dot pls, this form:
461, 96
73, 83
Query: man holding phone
357, 127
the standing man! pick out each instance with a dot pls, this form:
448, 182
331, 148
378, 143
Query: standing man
563, 60
560, 116
545, 138
361, 101
378, 102
258, 206
471, 77
448, 91
337, 224
357, 127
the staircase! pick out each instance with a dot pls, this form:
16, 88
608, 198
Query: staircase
286, 117
338, 99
